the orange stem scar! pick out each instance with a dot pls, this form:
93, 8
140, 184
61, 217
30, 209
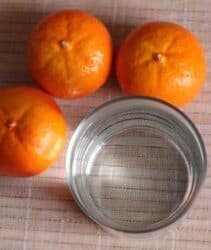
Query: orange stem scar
10, 124
63, 44
158, 57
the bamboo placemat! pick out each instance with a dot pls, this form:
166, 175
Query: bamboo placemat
39, 213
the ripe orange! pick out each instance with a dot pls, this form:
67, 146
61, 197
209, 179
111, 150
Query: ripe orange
69, 54
32, 131
161, 60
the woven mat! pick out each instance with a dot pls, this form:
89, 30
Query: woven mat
39, 213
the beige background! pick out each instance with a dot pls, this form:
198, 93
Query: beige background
39, 213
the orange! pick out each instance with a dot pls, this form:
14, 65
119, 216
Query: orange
32, 131
161, 60
69, 54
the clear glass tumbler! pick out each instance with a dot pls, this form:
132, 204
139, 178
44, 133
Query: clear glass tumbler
135, 164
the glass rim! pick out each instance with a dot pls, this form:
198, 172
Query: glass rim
73, 142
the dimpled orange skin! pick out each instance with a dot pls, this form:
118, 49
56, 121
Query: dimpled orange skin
69, 54
32, 131
161, 60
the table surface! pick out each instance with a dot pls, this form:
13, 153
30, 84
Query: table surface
39, 213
